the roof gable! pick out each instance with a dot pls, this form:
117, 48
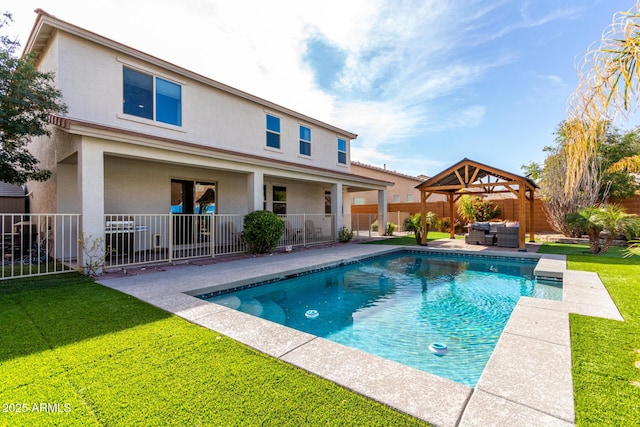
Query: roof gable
473, 177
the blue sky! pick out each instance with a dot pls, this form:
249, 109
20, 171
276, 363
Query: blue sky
423, 83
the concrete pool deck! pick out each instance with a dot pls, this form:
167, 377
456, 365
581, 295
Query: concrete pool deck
527, 380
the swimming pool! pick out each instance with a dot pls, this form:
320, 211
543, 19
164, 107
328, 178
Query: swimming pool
397, 306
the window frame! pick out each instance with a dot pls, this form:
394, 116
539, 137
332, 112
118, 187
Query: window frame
127, 108
273, 132
305, 143
342, 161
282, 204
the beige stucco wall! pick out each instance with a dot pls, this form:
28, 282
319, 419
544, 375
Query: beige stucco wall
143, 187
90, 77
402, 185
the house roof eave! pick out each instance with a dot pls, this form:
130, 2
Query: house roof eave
84, 128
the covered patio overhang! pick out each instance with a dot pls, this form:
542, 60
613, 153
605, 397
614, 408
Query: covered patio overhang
89, 148
473, 178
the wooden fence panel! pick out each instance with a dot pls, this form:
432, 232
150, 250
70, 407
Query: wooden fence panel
508, 210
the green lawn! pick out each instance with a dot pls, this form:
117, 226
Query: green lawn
75, 353
410, 240
605, 351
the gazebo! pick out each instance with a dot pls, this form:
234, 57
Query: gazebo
473, 178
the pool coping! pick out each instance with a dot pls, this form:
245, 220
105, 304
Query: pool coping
526, 381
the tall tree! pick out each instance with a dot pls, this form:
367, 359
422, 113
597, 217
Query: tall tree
560, 197
27, 98
609, 85
618, 184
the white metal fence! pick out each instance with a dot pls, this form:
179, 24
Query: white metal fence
145, 239
307, 229
366, 225
37, 244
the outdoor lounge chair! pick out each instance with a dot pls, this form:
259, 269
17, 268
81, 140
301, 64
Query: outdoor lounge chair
475, 237
507, 237
291, 235
311, 231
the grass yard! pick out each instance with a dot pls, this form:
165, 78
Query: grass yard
409, 240
605, 352
75, 353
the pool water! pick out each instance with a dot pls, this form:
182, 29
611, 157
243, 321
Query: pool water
397, 306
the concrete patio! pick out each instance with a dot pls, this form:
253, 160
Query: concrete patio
527, 380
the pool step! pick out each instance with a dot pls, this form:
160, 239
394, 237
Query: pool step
551, 267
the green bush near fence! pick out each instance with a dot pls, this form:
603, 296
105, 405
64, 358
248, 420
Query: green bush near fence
262, 231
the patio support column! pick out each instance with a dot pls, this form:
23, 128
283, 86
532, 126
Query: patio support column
91, 191
523, 217
532, 204
382, 211
336, 206
255, 196
452, 221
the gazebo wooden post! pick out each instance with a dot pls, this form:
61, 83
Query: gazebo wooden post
532, 203
523, 216
452, 222
423, 216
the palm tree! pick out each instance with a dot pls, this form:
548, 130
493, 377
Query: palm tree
609, 83
413, 224
615, 221
610, 220
585, 221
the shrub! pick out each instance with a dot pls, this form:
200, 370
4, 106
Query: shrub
475, 209
345, 235
612, 219
413, 224
262, 230
391, 227
388, 231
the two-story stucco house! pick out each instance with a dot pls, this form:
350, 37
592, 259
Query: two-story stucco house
144, 136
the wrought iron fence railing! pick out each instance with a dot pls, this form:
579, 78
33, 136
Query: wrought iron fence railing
307, 229
38, 244
132, 239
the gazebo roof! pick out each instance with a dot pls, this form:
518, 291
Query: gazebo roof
473, 177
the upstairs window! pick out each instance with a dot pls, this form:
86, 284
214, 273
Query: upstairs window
168, 102
342, 151
273, 131
151, 97
138, 94
305, 141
